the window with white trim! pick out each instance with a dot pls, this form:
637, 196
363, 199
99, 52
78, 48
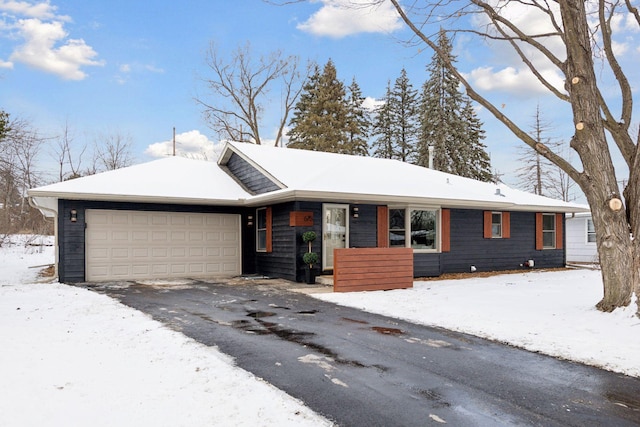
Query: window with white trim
591, 231
261, 230
496, 225
549, 231
415, 228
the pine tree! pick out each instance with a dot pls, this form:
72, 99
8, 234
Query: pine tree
358, 122
449, 123
475, 161
404, 117
320, 117
383, 146
4, 124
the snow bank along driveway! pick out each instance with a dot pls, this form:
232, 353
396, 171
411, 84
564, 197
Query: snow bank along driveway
71, 357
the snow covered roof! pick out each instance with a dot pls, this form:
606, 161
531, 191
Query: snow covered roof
168, 180
313, 175
300, 175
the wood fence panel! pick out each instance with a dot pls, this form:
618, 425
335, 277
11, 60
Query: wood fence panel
372, 269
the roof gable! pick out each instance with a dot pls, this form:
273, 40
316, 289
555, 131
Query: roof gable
329, 176
274, 175
169, 180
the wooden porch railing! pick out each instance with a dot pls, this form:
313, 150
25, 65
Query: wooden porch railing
372, 269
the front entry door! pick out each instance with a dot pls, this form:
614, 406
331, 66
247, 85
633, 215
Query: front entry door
335, 232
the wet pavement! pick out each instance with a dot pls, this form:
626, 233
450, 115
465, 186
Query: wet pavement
362, 369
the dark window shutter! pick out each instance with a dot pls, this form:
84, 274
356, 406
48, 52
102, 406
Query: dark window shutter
383, 227
269, 216
487, 225
539, 244
506, 225
559, 218
446, 230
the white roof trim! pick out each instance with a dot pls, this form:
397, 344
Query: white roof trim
230, 149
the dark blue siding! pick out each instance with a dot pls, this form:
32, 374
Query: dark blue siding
250, 177
363, 230
469, 247
281, 261
426, 265
301, 247
71, 243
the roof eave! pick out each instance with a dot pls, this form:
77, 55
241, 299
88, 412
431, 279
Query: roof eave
308, 195
138, 198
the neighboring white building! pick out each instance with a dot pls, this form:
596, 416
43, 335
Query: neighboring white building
581, 238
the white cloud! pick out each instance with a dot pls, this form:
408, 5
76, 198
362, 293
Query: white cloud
46, 44
42, 10
154, 69
371, 103
513, 80
619, 48
340, 18
191, 144
508, 72
6, 64
126, 70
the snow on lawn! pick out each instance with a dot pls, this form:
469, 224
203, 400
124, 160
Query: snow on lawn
69, 356
548, 312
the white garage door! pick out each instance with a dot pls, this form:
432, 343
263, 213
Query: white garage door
126, 245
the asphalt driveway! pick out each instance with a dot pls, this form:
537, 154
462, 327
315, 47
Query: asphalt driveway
362, 369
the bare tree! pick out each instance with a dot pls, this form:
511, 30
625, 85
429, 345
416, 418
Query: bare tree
240, 87
535, 170
69, 165
20, 146
112, 151
580, 28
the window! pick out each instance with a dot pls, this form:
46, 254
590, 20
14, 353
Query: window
549, 234
591, 232
548, 231
496, 224
413, 228
263, 229
396, 228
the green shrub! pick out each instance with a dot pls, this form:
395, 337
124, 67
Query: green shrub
310, 258
309, 236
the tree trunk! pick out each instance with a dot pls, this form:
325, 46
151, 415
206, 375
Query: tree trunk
632, 198
598, 181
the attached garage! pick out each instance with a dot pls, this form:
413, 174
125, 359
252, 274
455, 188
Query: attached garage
130, 245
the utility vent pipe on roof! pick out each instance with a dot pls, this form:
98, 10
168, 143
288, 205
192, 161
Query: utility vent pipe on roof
498, 193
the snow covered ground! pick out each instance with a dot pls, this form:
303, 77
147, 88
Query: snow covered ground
69, 356
548, 312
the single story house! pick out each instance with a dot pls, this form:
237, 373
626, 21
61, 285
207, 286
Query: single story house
581, 238
245, 214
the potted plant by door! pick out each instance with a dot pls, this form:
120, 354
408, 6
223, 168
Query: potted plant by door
310, 258
310, 273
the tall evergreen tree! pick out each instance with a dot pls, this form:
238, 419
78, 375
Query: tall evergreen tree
476, 162
4, 124
358, 122
383, 145
449, 123
404, 117
320, 117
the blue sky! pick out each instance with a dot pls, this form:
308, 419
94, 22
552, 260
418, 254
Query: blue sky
134, 67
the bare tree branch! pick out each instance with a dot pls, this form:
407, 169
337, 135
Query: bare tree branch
241, 86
